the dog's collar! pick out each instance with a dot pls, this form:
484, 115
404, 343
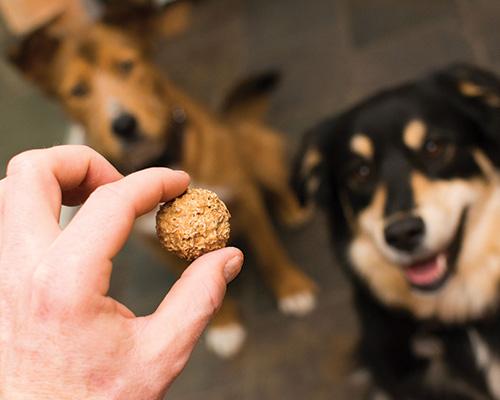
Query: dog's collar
172, 153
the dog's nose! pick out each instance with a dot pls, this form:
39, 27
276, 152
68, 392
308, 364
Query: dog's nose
125, 126
405, 234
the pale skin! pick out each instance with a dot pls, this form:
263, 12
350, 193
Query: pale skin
61, 336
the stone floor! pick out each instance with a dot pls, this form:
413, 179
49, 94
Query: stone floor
330, 53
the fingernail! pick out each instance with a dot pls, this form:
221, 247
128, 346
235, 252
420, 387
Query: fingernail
232, 268
181, 172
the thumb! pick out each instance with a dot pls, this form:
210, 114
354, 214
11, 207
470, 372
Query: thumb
186, 310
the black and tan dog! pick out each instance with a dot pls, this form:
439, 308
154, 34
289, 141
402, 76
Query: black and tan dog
409, 180
136, 117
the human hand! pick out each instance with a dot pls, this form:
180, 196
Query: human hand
61, 336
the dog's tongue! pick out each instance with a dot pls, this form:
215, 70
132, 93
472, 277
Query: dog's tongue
427, 272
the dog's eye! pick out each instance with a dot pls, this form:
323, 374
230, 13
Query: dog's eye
359, 176
80, 90
126, 66
434, 148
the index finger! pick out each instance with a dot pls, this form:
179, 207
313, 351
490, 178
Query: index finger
102, 225
34, 187
2, 191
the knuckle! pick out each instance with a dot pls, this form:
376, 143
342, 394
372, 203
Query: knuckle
48, 302
42, 302
106, 194
27, 160
83, 149
112, 194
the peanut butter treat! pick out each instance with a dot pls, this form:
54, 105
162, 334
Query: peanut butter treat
193, 224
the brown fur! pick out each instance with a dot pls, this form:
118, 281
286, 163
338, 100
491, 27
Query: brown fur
211, 150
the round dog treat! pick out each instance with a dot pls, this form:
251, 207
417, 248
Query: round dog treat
193, 224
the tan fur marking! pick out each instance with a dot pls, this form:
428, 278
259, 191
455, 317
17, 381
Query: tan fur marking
311, 160
414, 134
473, 288
420, 185
485, 164
362, 145
376, 208
470, 89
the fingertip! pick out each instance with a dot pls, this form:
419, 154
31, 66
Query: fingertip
175, 183
195, 298
233, 266
221, 255
182, 174
229, 252
229, 259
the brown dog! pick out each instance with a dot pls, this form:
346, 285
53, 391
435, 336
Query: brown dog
137, 118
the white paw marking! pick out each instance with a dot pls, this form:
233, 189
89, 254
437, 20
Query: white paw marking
298, 304
379, 395
226, 340
360, 377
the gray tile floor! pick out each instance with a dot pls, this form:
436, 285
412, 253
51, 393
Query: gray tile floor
331, 53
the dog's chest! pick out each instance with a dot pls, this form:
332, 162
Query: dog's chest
487, 360
460, 359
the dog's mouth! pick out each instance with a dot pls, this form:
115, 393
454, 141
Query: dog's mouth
431, 273
137, 155
165, 152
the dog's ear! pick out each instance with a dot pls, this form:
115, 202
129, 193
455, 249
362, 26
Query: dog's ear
476, 93
174, 19
147, 21
34, 57
250, 98
308, 171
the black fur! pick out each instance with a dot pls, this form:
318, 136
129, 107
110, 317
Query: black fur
463, 123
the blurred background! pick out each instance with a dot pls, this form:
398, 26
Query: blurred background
331, 54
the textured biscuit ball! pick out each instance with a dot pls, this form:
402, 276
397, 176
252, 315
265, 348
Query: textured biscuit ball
193, 224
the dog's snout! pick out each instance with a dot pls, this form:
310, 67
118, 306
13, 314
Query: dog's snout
125, 126
405, 233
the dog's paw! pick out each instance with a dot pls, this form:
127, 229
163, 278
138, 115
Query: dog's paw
379, 395
225, 340
297, 304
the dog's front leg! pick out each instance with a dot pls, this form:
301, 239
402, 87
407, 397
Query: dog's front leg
404, 365
226, 334
294, 291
